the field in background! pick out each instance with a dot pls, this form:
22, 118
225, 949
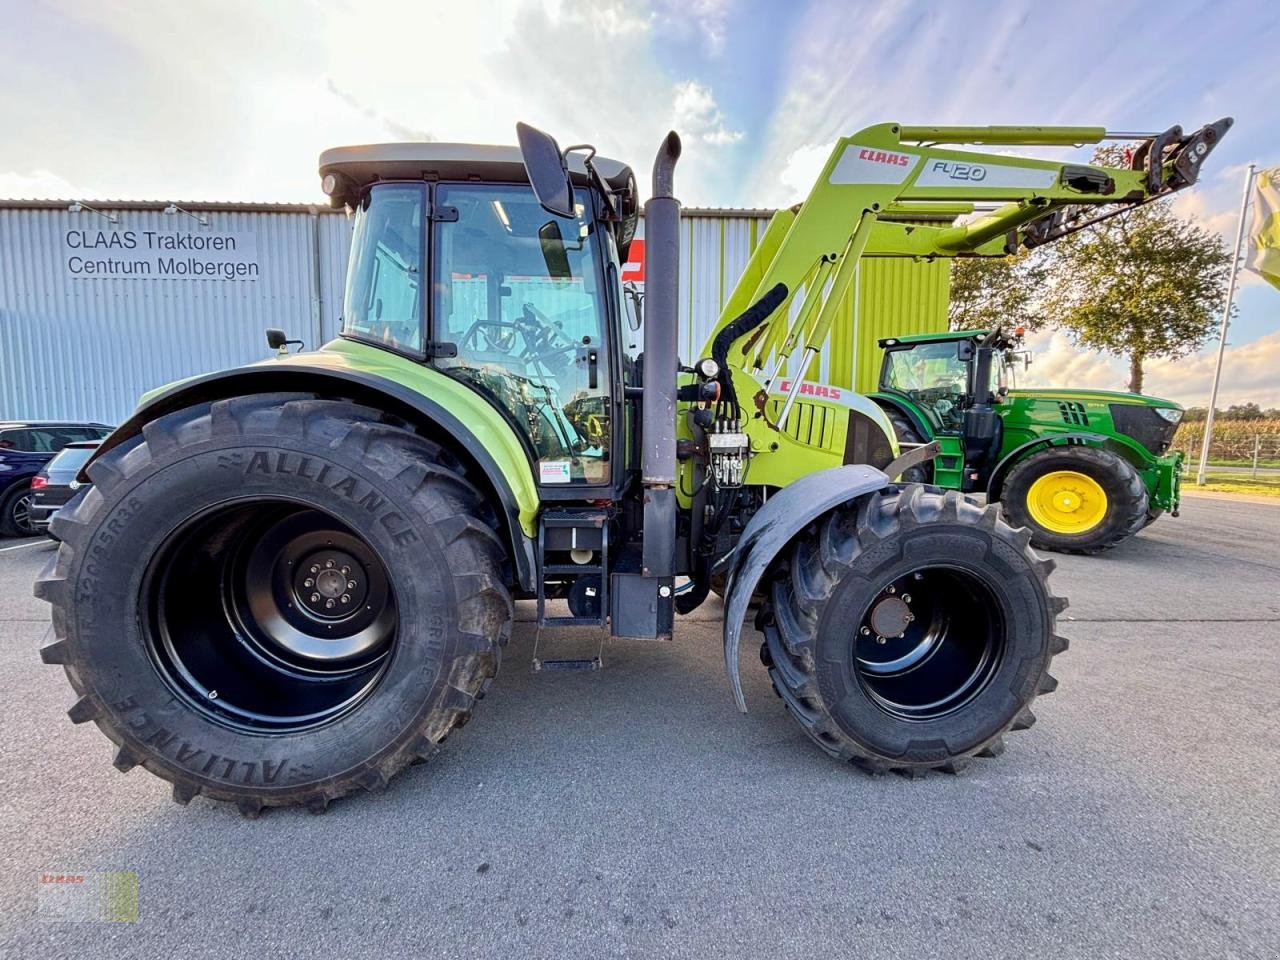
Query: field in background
1249, 448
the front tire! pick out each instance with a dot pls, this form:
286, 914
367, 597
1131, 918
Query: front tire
276, 600
1076, 499
911, 631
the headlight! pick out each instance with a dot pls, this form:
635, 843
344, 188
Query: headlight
1172, 414
707, 368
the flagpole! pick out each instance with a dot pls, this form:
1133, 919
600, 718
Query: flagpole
1222, 337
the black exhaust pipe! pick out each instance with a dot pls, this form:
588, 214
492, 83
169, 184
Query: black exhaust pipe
661, 342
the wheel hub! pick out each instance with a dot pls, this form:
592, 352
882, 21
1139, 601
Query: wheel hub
890, 616
1066, 502
330, 584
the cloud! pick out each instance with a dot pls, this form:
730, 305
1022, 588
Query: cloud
709, 18
40, 184
400, 131
1057, 362
1249, 373
696, 113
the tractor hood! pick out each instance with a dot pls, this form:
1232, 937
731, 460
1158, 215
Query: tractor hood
1093, 396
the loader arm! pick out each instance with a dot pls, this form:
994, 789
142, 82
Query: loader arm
876, 181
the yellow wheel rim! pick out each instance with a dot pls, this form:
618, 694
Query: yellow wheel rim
1065, 501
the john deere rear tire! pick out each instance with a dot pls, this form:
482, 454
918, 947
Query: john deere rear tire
966, 619
1075, 499
276, 600
906, 432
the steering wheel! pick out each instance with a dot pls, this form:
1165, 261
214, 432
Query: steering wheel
543, 339
503, 342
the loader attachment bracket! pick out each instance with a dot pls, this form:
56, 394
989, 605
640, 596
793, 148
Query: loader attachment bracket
769, 531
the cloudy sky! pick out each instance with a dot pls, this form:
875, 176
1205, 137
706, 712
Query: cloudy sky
234, 99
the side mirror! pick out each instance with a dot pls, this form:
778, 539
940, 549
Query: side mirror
964, 351
554, 254
547, 171
635, 316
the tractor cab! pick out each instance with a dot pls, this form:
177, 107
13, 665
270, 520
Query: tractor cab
521, 304
947, 386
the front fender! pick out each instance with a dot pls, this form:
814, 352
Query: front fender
772, 527
398, 385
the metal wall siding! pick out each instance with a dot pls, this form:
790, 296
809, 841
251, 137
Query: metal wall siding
87, 348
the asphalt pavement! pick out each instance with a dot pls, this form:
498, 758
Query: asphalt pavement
634, 813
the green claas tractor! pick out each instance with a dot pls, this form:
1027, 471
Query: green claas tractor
290, 580
1083, 470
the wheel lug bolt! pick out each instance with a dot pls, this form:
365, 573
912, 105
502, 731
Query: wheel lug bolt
881, 640
328, 604
346, 571
308, 582
328, 564
906, 598
891, 590
315, 598
346, 598
314, 568
866, 631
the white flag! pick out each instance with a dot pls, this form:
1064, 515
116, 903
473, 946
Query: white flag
1264, 232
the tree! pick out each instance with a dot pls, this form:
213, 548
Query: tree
988, 291
1243, 411
1141, 285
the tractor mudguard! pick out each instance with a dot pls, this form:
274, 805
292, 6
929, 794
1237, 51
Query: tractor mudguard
772, 527
1137, 456
324, 373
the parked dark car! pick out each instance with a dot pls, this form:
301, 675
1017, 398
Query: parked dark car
25, 447
56, 482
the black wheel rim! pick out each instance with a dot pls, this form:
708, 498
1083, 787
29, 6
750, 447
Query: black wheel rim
929, 643
269, 616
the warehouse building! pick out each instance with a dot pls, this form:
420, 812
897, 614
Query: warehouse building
101, 302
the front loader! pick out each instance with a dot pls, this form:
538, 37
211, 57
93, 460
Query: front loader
290, 580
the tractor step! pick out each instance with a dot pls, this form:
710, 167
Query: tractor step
580, 663
562, 534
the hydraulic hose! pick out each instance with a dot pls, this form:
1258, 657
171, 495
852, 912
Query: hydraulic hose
744, 323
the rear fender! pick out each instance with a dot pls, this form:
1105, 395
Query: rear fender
1134, 454
514, 491
772, 527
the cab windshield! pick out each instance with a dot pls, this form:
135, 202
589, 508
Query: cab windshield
934, 376
518, 292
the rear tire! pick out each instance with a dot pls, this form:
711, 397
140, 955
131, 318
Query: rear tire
182, 625
977, 637
1121, 514
15, 513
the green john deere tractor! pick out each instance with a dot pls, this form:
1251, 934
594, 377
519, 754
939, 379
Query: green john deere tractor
1083, 470
290, 580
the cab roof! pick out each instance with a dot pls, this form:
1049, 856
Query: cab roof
946, 336
490, 163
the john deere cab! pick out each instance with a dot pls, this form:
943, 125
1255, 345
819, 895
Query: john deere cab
1084, 470
290, 580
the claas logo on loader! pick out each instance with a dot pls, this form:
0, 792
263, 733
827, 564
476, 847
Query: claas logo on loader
820, 390
882, 156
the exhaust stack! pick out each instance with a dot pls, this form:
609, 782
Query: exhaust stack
661, 339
